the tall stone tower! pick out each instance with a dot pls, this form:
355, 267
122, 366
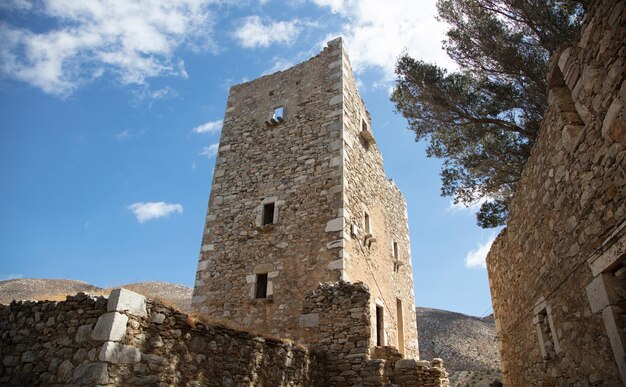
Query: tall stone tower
299, 197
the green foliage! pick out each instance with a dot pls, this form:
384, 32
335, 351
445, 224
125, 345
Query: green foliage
483, 120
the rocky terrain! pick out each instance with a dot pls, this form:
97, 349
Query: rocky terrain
176, 295
466, 343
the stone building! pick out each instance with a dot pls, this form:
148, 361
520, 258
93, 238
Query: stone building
556, 273
300, 197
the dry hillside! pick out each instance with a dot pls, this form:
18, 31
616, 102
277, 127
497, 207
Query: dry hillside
466, 343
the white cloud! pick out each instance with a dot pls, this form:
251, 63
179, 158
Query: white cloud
376, 34
476, 258
209, 127
210, 151
253, 33
153, 210
135, 40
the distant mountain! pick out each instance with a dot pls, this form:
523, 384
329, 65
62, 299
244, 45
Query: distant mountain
56, 290
467, 344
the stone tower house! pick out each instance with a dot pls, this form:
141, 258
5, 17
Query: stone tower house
300, 197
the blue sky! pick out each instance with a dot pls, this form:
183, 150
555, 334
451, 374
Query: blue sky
110, 112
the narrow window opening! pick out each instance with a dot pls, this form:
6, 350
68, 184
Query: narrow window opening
279, 113
268, 213
261, 286
368, 228
396, 254
380, 332
364, 125
400, 325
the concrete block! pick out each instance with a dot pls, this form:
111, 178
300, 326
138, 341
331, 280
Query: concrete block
110, 327
113, 352
123, 300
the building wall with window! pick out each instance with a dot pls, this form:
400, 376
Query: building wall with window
557, 273
297, 169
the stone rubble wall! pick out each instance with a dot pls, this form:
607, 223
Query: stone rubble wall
89, 341
128, 340
338, 320
571, 196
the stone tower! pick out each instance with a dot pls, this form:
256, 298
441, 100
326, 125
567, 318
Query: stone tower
299, 197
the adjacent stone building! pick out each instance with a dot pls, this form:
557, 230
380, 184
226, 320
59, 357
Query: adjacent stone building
300, 197
557, 272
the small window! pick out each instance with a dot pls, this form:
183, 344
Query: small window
368, 228
261, 286
396, 254
364, 125
268, 213
279, 113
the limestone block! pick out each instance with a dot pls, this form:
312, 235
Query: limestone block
113, 352
110, 327
91, 374
334, 225
610, 118
209, 247
198, 299
203, 265
123, 300
309, 320
336, 265
597, 295
336, 99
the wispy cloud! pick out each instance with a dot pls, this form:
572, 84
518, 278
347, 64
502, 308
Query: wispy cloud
10, 277
253, 32
210, 151
153, 210
458, 207
134, 40
376, 35
128, 134
209, 127
477, 258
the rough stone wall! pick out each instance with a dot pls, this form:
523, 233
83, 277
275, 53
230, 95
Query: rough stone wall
569, 209
372, 261
73, 342
128, 340
337, 317
297, 166
44, 343
322, 175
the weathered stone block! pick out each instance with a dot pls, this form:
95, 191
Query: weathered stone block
123, 300
113, 352
110, 327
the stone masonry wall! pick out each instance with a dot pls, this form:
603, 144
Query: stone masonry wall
371, 260
337, 320
554, 325
128, 340
139, 342
297, 166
